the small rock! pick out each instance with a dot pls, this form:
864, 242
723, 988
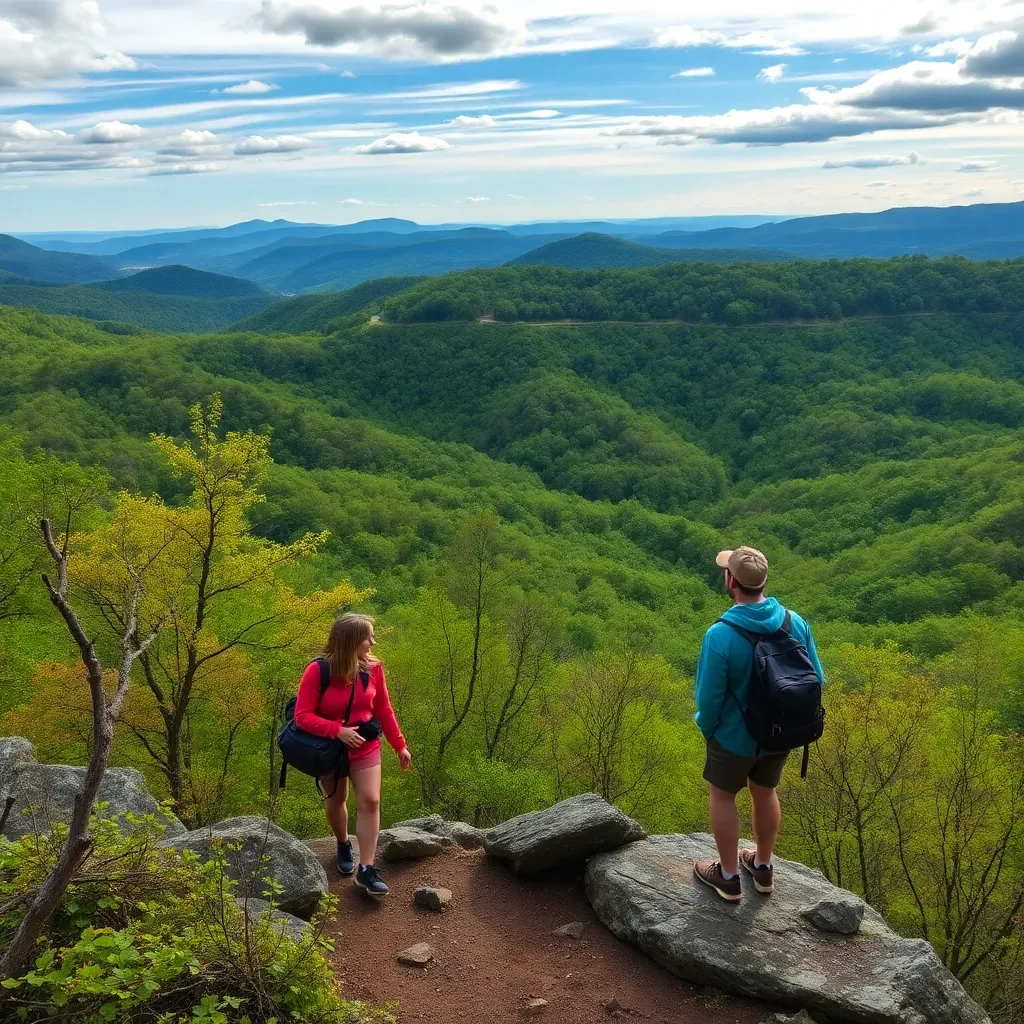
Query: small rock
842, 914
534, 1007
803, 1017
572, 930
432, 899
418, 955
612, 1007
434, 824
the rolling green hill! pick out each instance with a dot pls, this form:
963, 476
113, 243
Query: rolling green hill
541, 505
322, 313
168, 312
185, 281
28, 261
594, 251
737, 293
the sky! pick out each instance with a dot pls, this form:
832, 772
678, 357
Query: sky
133, 114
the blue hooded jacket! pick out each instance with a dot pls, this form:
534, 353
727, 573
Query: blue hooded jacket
726, 658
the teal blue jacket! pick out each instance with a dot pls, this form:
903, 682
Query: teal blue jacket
726, 659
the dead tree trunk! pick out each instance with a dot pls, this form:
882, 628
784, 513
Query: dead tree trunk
104, 714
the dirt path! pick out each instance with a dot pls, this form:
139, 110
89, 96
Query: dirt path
491, 321
494, 950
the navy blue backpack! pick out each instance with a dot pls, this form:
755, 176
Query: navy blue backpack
313, 755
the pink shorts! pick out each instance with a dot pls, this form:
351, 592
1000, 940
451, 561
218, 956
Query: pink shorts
358, 761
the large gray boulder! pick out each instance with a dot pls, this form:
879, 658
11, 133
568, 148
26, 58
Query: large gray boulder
263, 851
462, 834
567, 833
765, 946
44, 794
289, 925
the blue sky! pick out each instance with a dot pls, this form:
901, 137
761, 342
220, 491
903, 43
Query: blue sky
122, 114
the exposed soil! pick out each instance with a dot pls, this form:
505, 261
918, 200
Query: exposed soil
494, 950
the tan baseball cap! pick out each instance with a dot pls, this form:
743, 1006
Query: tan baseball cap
748, 566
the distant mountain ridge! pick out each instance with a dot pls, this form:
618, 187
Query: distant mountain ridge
593, 251
180, 280
311, 258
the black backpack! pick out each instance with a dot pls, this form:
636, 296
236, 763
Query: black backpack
784, 708
310, 754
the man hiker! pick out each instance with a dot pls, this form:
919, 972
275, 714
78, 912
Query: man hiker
739, 696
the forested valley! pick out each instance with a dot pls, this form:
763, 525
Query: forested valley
531, 511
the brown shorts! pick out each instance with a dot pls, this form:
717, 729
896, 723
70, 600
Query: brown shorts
729, 772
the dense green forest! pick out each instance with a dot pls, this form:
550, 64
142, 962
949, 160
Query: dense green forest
738, 294
532, 513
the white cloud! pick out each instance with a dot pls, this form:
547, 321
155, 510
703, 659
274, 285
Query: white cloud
403, 142
253, 87
452, 90
922, 26
976, 166
428, 29
759, 42
351, 202
512, 195
976, 193
874, 161
950, 48
108, 132
288, 202
616, 145
538, 115
478, 199
704, 72
465, 121
48, 39
773, 74
257, 144
173, 169
190, 143
347, 74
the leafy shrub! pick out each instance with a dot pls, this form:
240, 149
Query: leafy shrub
145, 934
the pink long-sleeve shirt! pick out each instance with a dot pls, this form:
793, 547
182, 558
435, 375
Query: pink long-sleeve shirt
322, 715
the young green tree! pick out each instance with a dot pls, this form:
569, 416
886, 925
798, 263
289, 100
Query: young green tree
222, 591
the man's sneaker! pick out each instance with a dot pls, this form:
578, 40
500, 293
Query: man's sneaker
764, 877
346, 862
368, 879
710, 873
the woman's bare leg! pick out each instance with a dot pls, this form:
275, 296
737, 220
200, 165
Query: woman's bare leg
366, 783
336, 808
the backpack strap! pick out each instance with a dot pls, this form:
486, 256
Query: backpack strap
344, 721
806, 760
787, 623
325, 674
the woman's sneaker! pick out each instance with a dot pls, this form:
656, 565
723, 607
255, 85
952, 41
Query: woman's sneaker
764, 876
346, 862
368, 880
710, 873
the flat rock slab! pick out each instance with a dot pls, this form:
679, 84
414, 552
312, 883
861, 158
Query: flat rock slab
646, 894
264, 850
418, 955
44, 794
567, 833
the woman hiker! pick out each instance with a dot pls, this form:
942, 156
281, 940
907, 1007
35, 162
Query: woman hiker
348, 653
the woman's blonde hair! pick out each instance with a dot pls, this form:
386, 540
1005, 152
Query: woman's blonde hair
347, 633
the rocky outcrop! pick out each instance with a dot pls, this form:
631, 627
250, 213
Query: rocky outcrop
254, 849
44, 794
403, 843
567, 833
467, 836
770, 947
